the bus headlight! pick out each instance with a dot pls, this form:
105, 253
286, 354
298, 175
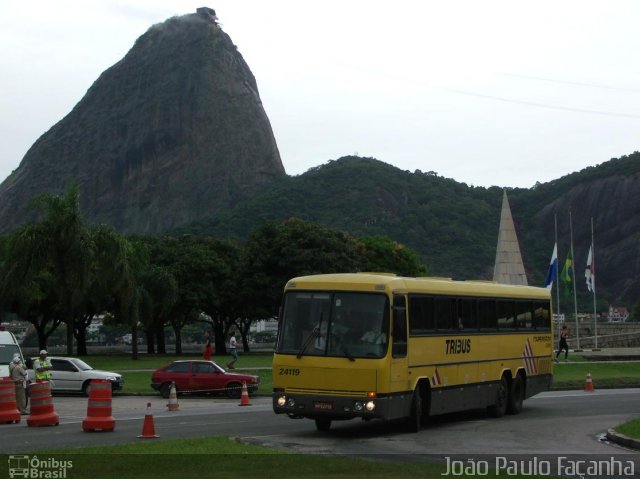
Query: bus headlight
357, 406
370, 406
281, 401
291, 402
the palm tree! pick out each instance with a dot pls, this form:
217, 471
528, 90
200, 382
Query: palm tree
72, 252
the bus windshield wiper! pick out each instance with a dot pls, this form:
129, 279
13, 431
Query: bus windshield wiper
346, 352
313, 335
344, 348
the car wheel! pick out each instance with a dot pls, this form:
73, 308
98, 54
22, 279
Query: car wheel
165, 390
86, 388
234, 390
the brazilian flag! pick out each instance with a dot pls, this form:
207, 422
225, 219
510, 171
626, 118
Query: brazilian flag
567, 275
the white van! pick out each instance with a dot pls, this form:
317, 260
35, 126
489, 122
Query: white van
8, 348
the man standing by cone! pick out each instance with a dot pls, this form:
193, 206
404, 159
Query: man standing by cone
233, 349
19, 377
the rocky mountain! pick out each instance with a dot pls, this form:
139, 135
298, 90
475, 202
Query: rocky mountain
172, 133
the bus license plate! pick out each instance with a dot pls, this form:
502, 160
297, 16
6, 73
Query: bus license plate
322, 405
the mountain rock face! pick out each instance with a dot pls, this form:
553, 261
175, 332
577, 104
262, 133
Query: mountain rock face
172, 133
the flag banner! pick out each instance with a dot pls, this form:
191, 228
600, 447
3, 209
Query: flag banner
567, 274
590, 272
552, 273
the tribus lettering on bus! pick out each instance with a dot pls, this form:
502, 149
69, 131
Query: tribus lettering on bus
458, 346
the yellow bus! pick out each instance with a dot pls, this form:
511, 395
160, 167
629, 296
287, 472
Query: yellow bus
375, 345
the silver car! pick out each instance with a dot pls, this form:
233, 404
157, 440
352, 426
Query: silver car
73, 374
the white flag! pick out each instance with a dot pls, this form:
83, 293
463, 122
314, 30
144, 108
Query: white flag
590, 272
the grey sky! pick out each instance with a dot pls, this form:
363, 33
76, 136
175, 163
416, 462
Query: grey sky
489, 93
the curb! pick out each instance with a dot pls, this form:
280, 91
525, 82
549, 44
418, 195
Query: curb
623, 440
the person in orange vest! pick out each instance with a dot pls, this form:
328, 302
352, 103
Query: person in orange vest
42, 367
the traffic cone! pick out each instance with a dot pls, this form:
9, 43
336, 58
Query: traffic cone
589, 384
173, 398
148, 429
244, 399
42, 412
99, 416
8, 408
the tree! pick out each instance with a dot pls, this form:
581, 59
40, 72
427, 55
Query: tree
275, 253
108, 271
61, 244
382, 254
635, 313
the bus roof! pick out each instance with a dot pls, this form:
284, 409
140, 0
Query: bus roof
398, 284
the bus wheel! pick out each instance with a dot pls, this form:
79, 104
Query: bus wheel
502, 396
516, 395
413, 421
323, 424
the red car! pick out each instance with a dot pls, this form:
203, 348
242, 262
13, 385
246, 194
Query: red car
201, 376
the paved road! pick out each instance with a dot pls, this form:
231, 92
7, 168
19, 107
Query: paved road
568, 422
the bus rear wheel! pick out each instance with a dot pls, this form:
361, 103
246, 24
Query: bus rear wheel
502, 396
323, 424
516, 395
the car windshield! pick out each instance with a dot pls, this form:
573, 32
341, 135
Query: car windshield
351, 325
6, 353
81, 365
218, 368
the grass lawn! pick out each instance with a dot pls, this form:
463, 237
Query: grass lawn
630, 429
225, 458
603, 374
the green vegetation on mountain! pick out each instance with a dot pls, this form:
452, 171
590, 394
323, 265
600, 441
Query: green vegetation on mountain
453, 227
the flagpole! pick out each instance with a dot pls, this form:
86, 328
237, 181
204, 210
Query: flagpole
593, 285
573, 271
555, 220
555, 225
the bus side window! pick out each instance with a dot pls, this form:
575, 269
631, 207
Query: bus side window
399, 349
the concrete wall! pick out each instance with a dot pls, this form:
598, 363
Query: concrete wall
610, 335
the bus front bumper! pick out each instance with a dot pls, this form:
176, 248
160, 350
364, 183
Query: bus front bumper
298, 405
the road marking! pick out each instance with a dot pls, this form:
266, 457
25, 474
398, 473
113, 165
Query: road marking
601, 392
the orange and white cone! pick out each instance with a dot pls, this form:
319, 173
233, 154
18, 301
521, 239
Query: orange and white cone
148, 429
244, 398
173, 398
589, 384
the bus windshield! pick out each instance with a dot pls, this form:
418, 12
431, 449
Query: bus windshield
337, 324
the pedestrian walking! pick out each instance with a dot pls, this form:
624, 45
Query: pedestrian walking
563, 345
19, 377
233, 345
208, 350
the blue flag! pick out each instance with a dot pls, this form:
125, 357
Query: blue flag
552, 274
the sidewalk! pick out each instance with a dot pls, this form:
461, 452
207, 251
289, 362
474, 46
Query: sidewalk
610, 354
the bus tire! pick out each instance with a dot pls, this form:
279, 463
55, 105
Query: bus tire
516, 395
323, 424
415, 417
502, 397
